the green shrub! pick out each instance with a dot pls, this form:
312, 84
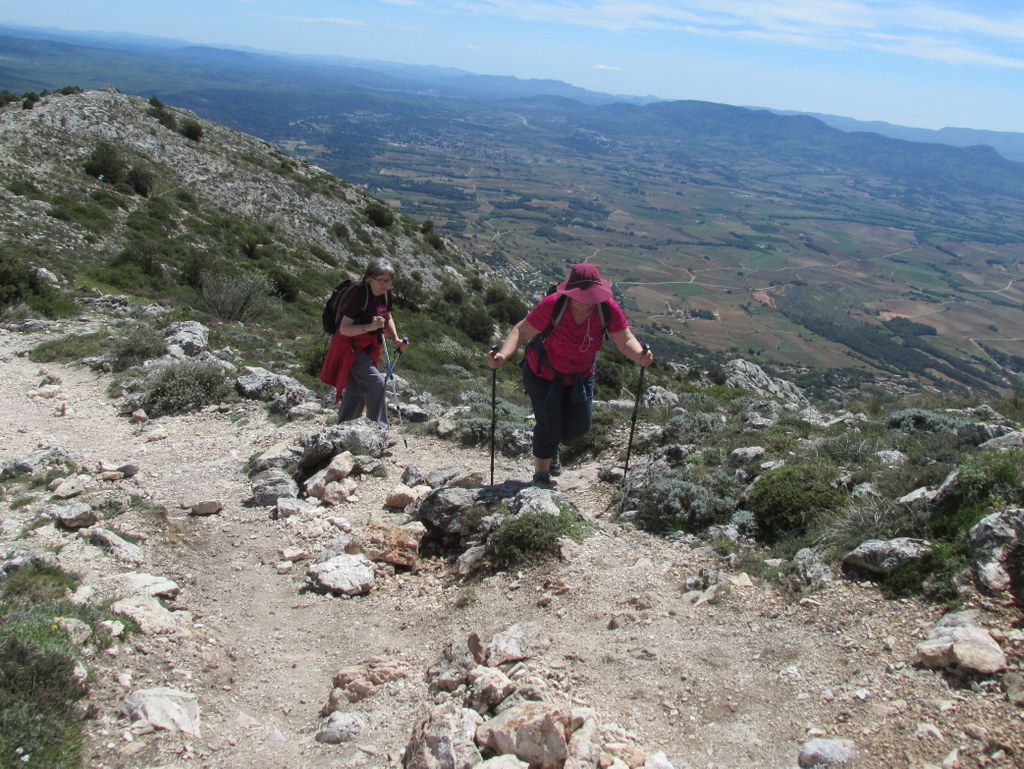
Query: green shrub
65, 349
105, 163
675, 503
918, 420
135, 344
191, 130
84, 213
994, 478
158, 110
20, 283
141, 180
932, 576
785, 500
244, 297
26, 189
689, 427
179, 388
872, 517
379, 215
526, 536
40, 724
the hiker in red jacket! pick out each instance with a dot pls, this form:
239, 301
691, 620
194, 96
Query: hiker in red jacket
563, 334
352, 363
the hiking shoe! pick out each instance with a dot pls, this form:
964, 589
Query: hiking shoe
556, 466
542, 479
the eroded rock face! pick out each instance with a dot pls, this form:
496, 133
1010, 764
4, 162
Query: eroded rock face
752, 378
360, 437
995, 546
535, 732
881, 557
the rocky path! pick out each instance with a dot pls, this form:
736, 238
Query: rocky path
742, 677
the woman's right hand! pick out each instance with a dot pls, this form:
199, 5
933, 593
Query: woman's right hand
376, 324
495, 358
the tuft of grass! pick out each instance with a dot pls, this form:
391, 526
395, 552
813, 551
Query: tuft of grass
524, 537
66, 349
40, 722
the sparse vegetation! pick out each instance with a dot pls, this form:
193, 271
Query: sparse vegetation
40, 687
179, 388
530, 535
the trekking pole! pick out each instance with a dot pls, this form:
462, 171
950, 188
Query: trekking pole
632, 427
494, 409
394, 384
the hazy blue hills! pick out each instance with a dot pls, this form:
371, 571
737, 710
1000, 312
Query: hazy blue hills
1008, 144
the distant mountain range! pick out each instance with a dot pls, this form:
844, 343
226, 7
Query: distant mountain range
446, 81
1009, 145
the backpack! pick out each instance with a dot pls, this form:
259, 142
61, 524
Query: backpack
558, 311
603, 310
332, 307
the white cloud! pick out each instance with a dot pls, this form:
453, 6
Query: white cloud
608, 67
961, 34
313, 20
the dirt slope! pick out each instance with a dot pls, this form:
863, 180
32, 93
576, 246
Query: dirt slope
740, 682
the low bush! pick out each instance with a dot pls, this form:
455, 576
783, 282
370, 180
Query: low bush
526, 536
179, 388
785, 500
675, 502
922, 420
134, 344
21, 284
66, 349
40, 721
244, 298
379, 215
105, 163
688, 427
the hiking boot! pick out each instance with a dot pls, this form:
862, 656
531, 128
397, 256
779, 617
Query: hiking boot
543, 479
556, 466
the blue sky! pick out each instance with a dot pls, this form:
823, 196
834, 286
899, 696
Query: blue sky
922, 63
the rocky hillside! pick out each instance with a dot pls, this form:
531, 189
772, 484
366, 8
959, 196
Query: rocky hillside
112, 194
265, 592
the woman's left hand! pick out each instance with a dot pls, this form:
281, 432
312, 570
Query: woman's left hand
402, 344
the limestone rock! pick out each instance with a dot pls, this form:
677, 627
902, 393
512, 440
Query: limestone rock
518, 642
164, 708
343, 575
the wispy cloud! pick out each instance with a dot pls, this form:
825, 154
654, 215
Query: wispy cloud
324, 20
955, 31
608, 67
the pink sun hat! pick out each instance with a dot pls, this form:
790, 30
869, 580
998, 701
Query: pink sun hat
586, 285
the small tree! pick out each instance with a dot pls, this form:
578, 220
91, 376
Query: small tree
140, 180
105, 163
190, 129
380, 215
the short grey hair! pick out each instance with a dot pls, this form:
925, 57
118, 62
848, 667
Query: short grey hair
377, 267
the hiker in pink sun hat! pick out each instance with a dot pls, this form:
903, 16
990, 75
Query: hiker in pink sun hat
563, 334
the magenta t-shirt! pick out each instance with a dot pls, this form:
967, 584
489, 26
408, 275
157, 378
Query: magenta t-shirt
375, 305
571, 347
